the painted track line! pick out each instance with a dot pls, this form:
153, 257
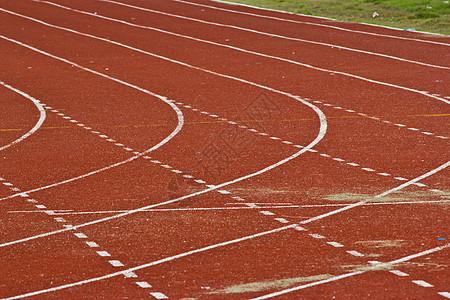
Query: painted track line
335, 278
242, 29
320, 135
423, 93
426, 133
238, 240
324, 18
343, 161
79, 235
171, 258
71, 212
180, 119
310, 23
42, 115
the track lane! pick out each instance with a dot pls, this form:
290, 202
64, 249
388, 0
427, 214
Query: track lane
352, 27
347, 65
42, 116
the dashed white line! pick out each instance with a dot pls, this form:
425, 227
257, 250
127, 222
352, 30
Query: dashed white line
335, 244
422, 283
92, 244
143, 284
116, 263
399, 273
355, 253
159, 295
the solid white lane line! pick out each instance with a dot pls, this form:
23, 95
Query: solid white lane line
180, 119
222, 45
350, 206
42, 115
328, 45
319, 137
311, 23
271, 295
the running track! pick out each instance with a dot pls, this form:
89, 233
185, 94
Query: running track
171, 149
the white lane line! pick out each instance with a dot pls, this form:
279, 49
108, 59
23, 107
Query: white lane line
159, 295
319, 137
355, 253
103, 253
328, 45
445, 294
177, 129
316, 236
80, 235
160, 261
143, 284
314, 24
335, 278
422, 283
385, 121
116, 263
234, 48
335, 244
399, 273
42, 115
282, 220
130, 274
268, 213
92, 244
351, 206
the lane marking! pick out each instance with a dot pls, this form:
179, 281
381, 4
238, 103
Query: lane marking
159, 295
422, 283
355, 253
143, 284
399, 273
316, 24
319, 137
42, 115
335, 244
177, 129
335, 278
116, 263
388, 122
234, 48
328, 45
350, 206
92, 244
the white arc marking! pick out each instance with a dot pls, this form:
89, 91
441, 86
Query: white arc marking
42, 115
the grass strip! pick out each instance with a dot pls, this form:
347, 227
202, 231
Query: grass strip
419, 15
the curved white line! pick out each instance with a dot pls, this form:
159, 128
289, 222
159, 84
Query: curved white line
313, 24
322, 131
238, 240
177, 129
235, 48
233, 27
42, 115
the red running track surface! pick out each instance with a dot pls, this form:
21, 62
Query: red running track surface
171, 149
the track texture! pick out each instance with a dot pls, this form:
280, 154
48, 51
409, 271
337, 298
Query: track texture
171, 149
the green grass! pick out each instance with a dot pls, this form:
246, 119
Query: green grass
422, 15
